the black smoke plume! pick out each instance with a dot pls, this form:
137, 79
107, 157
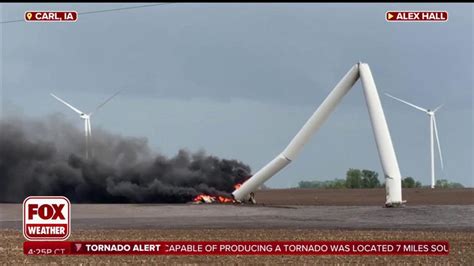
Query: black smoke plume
45, 157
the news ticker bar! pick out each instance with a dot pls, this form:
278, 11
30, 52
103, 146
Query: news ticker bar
236, 248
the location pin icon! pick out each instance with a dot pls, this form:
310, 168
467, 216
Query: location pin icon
29, 15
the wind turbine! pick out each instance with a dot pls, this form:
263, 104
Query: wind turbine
86, 117
433, 131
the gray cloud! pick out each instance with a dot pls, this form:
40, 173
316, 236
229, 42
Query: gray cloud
256, 72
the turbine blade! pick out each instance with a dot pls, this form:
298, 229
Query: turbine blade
437, 141
90, 137
86, 130
106, 101
437, 108
89, 126
405, 102
67, 104
87, 138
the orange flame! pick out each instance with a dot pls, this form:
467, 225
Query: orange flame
225, 200
203, 198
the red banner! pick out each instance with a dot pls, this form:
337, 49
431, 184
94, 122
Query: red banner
236, 248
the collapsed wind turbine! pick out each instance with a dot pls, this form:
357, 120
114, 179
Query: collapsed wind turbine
433, 131
393, 185
86, 117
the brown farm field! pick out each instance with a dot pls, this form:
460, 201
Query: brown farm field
363, 197
280, 214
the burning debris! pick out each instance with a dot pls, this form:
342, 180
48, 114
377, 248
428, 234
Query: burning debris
203, 198
44, 157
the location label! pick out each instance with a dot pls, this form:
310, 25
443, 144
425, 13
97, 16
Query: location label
50, 16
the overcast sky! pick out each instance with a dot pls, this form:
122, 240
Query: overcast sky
239, 80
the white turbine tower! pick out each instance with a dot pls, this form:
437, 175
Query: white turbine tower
433, 131
86, 117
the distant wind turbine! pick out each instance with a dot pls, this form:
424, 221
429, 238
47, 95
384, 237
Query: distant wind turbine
86, 117
433, 131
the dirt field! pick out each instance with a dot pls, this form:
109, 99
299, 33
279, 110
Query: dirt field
462, 246
218, 216
307, 214
363, 197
